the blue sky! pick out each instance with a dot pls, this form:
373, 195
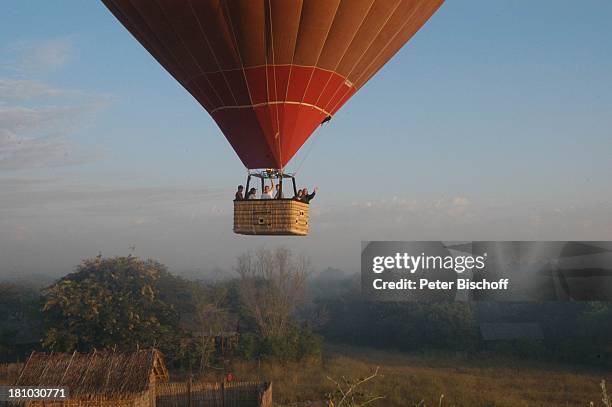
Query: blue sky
494, 122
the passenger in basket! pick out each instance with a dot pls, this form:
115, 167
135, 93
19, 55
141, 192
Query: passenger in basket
252, 194
306, 198
239, 193
279, 192
268, 192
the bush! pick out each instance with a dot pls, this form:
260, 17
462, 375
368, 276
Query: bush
296, 345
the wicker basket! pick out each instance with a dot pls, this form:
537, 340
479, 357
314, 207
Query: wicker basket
271, 217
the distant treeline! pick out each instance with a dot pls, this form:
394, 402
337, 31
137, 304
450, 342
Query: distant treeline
570, 331
272, 306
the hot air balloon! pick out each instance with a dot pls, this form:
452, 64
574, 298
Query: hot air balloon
269, 72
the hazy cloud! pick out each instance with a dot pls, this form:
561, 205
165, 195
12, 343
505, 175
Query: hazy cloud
187, 227
20, 120
397, 209
34, 136
28, 153
12, 90
459, 218
56, 197
51, 54
37, 118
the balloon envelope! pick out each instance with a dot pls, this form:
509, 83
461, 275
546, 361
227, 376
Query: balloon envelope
270, 71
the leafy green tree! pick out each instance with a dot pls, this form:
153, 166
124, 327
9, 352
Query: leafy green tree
110, 303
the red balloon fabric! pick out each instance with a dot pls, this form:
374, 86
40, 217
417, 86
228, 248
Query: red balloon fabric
270, 71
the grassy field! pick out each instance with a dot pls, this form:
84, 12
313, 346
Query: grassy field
421, 379
409, 380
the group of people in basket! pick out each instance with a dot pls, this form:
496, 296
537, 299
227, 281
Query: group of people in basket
272, 192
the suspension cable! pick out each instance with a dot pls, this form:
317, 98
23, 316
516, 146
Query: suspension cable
310, 148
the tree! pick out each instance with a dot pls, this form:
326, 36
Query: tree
110, 302
211, 317
272, 286
201, 310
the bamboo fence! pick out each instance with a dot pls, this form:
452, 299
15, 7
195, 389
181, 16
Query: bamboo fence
236, 394
146, 399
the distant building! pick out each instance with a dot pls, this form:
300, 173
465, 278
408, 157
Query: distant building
98, 379
223, 333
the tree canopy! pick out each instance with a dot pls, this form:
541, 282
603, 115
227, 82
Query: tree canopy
109, 302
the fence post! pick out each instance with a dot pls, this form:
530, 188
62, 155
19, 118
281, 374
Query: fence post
189, 391
259, 367
223, 394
